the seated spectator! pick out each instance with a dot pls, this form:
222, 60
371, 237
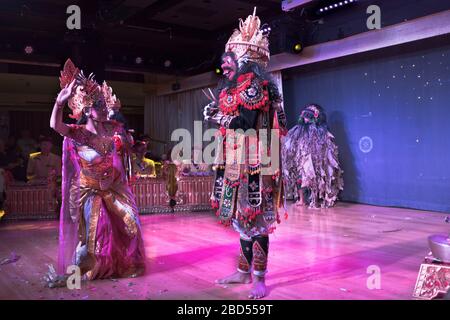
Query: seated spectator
11, 145
4, 161
44, 166
4, 155
142, 167
26, 144
12, 164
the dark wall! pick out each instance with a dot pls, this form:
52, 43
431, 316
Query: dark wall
389, 111
351, 20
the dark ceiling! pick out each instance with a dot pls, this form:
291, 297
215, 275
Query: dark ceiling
189, 33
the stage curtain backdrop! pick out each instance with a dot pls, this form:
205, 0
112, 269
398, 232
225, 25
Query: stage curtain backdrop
164, 114
389, 112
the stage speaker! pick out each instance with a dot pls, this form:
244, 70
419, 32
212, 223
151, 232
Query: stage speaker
286, 36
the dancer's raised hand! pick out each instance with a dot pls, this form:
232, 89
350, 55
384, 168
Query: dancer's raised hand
66, 93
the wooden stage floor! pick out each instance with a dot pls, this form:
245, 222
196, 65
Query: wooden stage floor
314, 254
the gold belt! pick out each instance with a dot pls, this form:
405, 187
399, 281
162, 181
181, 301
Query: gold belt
97, 181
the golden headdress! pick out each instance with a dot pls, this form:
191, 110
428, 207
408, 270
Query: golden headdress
112, 102
87, 92
249, 42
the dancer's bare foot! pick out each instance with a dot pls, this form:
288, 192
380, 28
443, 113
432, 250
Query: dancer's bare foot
237, 277
301, 200
259, 289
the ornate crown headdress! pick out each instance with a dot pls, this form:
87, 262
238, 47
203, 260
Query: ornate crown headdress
87, 92
112, 102
249, 42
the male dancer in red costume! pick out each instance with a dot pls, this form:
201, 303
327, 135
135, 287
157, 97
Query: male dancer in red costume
248, 193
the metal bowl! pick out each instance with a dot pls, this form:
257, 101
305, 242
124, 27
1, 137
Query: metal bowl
440, 247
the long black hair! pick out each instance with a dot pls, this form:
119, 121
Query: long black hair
83, 119
119, 117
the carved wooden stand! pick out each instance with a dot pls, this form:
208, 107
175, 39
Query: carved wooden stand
433, 280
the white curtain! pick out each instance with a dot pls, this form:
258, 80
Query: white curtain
164, 114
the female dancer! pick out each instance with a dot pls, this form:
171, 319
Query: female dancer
100, 230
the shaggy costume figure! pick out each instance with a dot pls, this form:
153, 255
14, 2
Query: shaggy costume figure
310, 160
